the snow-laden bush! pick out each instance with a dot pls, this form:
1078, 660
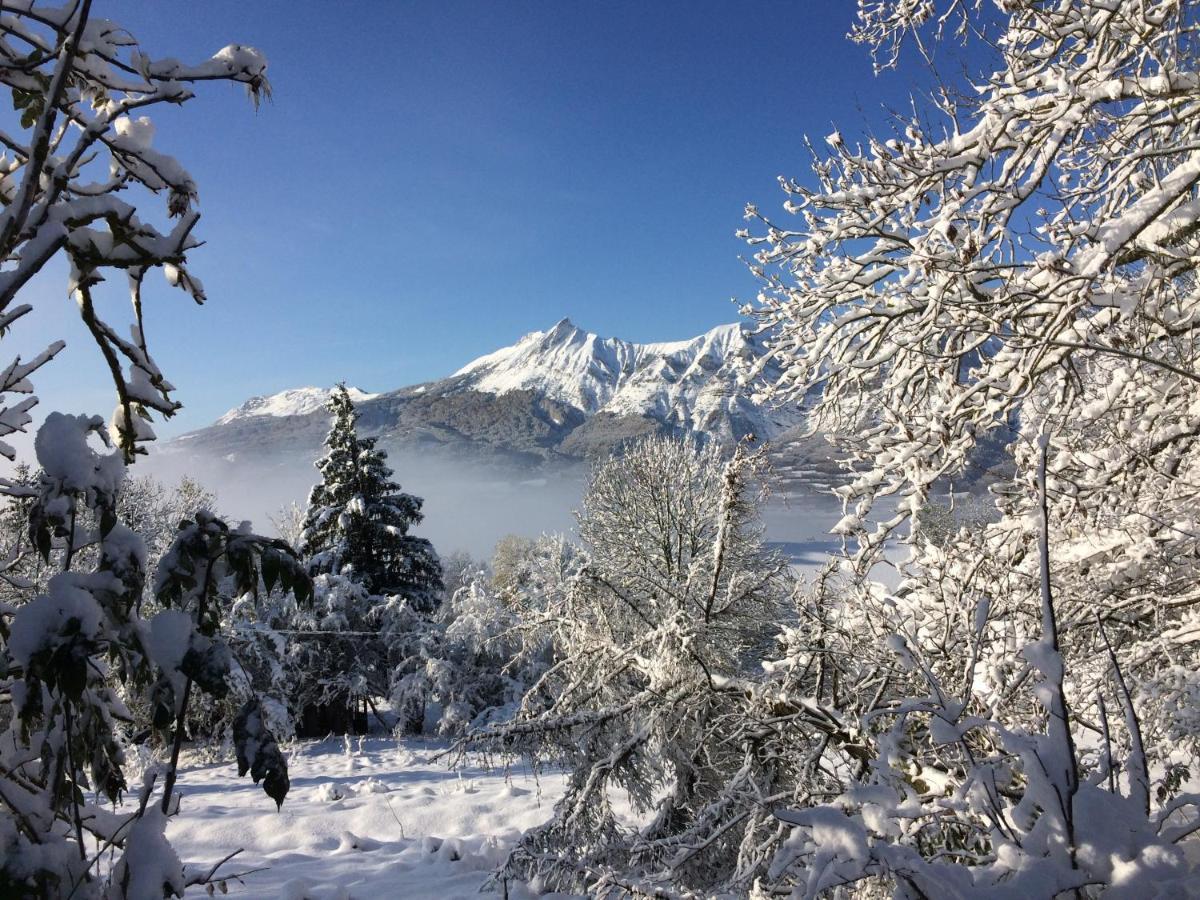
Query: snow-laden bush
477, 659
656, 624
69, 653
252, 624
341, 646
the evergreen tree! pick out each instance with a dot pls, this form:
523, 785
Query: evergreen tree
358, 518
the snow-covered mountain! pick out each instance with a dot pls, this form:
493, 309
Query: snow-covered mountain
293, 402
554, 398
691, 385
498, 446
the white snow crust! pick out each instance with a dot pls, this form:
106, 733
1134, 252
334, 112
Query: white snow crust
383, 821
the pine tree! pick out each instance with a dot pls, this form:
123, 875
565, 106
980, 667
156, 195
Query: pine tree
358, 518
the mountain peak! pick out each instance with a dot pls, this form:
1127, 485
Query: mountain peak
691, 384
564, 332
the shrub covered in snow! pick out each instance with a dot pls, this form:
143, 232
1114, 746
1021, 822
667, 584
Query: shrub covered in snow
71, 652
478, 658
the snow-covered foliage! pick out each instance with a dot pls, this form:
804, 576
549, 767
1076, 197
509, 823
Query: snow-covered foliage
205, 570
475, 661
154, 510
1022, 258
358, 519
653, 624
340, 647
74, 645
82, 87
70, 654
149, 508
966, 771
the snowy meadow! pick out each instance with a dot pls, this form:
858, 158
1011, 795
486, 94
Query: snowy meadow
366, 817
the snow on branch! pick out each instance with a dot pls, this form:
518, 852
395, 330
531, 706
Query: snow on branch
81, 86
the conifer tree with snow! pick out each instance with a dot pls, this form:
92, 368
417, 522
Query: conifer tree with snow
358, 519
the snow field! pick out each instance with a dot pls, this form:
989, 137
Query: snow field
380, 819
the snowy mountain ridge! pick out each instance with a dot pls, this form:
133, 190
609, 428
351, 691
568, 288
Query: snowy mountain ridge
532, 413
692, 385
688, 384
292, 402
556, 397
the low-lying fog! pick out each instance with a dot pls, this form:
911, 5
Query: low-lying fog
470, 508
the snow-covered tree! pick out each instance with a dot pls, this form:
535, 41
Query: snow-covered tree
653, 628
75, 179
69, 653
358, 519
1018, 259
952, 793
339, 654
475, 662
288, 522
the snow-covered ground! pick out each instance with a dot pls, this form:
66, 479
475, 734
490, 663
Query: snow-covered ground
383, 821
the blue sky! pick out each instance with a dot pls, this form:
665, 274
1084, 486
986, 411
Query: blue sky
434, 179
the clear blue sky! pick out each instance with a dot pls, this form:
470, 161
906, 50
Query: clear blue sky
434, 179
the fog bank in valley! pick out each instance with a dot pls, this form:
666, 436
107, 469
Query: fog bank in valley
466, 508
469, 507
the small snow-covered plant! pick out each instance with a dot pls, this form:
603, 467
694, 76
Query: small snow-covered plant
154, 510
941, 519
288, 522
653, 629
249, 627
21, 570
459, 569
358, 519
